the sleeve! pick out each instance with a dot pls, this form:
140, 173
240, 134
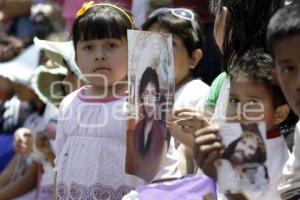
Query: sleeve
60, 135
169, 167
289, 186
215, 90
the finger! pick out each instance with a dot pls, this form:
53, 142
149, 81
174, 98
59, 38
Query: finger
201, 152
208, 148
207, 139
188, 122
206, 130
178, 111
188, 130
24, 135
212, 157
186, 114
169, 123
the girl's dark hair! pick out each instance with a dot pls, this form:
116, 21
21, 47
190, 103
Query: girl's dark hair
101, 21
245, 25
149, 76
190, 31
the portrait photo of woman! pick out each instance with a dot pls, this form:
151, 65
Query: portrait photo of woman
149, 128
150, 100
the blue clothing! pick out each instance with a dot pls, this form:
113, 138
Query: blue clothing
6, 150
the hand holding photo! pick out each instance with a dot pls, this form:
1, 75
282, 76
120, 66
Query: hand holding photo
242, 167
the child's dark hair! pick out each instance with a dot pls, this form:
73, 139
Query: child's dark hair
190, 31
257, 66
283, 25
102, 21
245, 26
191, 34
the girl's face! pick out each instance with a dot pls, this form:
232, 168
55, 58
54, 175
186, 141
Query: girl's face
149, 100
24, 93
103, 61
182, 61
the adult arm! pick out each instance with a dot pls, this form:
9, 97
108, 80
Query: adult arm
21, 186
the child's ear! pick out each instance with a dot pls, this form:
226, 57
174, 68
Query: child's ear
195, 58
281, 113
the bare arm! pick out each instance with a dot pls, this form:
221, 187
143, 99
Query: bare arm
14, 8
6, 175
186, 160
21, 186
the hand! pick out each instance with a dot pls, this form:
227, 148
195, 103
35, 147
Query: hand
190, 120
206, 149
23, 141
43, 144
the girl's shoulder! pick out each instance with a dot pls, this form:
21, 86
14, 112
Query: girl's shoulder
67, 100
191, 92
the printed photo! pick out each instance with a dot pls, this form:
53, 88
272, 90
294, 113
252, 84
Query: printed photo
151, 96
242, 167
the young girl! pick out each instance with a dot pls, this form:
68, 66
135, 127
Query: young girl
91, 134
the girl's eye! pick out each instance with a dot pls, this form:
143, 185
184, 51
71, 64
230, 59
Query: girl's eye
87, 47
111, 45
233, 100
287, 68
174, 44
253, 101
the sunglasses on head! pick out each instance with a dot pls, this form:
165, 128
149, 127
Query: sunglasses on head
178, 12
182, 13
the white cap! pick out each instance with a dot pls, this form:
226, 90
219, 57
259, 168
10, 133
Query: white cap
60, 52
20, 69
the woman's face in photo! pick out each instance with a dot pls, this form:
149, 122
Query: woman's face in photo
149, 100
246, 147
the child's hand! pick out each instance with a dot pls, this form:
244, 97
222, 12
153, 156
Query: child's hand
190, 120
43, 144
207, 148
23, 141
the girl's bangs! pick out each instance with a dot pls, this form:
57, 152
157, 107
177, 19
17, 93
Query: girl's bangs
103, 25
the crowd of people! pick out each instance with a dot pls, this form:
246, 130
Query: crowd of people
235, 61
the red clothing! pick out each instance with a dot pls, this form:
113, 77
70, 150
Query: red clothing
149, 154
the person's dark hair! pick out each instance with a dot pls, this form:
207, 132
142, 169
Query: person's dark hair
101, 21
191, 32
250, 130
149, 76
257, 66
245, 25
283, 25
